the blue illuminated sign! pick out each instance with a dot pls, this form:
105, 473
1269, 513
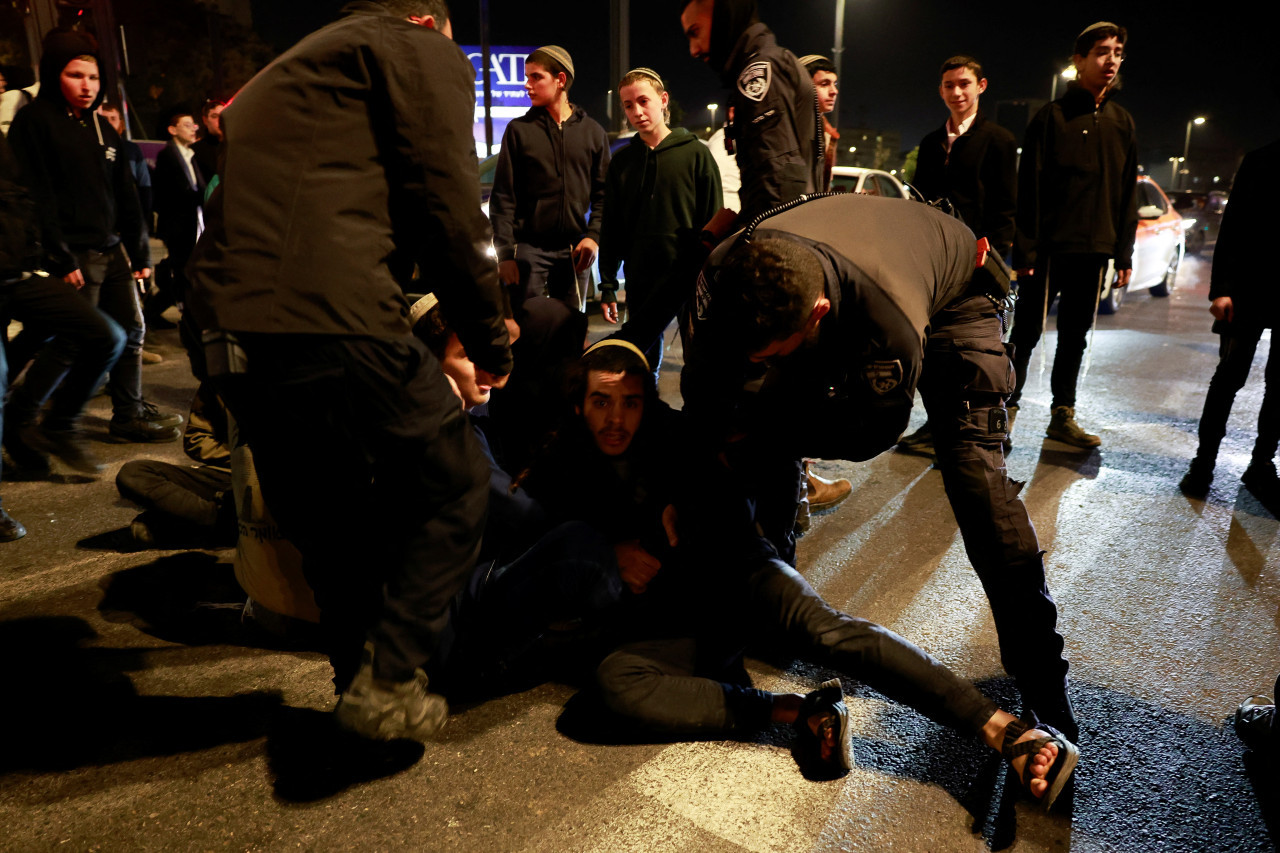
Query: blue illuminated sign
506, 88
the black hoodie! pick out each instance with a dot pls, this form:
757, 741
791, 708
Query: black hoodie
76, 169
548, 177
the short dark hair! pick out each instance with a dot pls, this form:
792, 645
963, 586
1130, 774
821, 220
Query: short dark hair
962, 61
1098, 32
821, 64
175, 115
437, 9
768, 289
110, 107
208, 107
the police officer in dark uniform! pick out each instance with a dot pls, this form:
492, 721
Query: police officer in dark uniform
851, 301
776, 129
298, 282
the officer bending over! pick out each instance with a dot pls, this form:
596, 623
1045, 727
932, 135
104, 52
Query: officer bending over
850, 302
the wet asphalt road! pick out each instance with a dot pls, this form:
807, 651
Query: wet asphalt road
135, 719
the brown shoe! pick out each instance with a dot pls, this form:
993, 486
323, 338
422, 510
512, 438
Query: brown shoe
824, 494
1063, 427
149, 357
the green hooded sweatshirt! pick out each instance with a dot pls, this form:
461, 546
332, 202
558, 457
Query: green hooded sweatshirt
649, 195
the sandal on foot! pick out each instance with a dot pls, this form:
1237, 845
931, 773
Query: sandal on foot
1059, 772
826, 703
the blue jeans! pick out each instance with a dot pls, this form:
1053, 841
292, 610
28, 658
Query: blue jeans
90, 340
84, 337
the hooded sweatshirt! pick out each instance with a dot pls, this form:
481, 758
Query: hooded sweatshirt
548, 178
76, 169
649, 195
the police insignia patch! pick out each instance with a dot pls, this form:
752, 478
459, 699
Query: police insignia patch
883, 376
754, 80
701, 297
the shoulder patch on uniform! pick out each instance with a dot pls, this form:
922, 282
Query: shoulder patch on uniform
883, 376
701, 297
754, 80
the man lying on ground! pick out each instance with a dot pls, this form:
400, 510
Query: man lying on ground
701, 583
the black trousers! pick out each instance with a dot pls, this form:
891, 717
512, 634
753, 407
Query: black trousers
1236, 347
370, 468
659, 684
550, 273
1076, 281
109, 287
52, 308
189, 500
966, 377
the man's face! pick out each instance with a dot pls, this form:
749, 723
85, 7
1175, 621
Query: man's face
695, 20
825, 83
612, 409
960, 90
213, 121
472, 386
540, 85
1099, 68
643, 106
113, 119
80, 83
184, 130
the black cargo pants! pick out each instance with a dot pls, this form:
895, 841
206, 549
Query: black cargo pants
966, 378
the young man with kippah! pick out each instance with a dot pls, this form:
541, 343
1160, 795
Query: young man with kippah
548, 191
1077, 210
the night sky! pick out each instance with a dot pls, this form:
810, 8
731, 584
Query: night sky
1184, 59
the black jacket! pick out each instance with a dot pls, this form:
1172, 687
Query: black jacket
1242, 256
1077, 182
649, 196
19, 237
177, 199
347, 160
79, 178
889, 269
776, 130
548, 179
979, 177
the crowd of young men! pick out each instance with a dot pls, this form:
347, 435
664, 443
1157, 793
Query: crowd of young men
807, 333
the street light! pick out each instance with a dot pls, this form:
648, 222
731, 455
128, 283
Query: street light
1068, 74
1173, 177
1186, 145
713, 108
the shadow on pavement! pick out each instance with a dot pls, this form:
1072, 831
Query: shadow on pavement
1149, 778
77, 707
192, 598
311, 759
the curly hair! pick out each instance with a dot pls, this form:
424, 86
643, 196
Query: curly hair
767, 289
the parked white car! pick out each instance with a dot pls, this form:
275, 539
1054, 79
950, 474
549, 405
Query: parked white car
856, 179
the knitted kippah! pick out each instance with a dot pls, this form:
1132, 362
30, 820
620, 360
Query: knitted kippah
813, 57
554, 58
